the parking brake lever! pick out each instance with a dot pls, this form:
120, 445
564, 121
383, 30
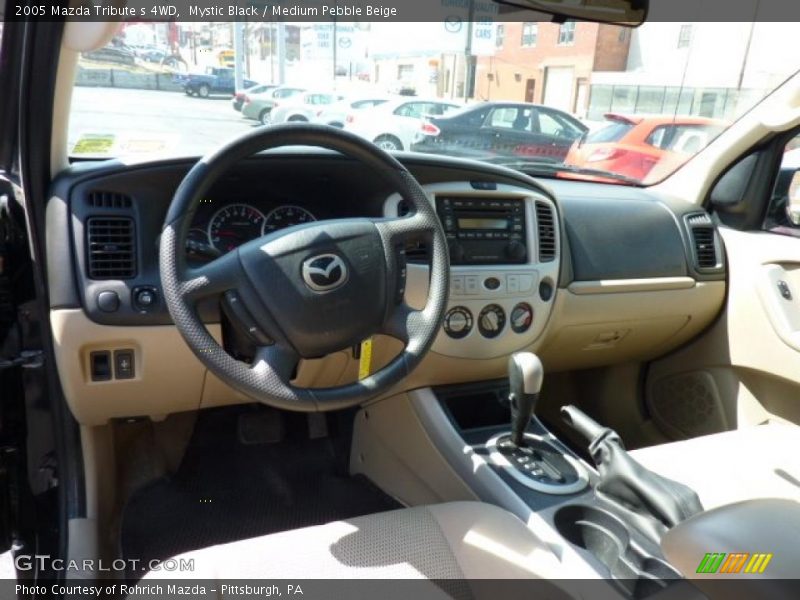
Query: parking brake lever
625, 481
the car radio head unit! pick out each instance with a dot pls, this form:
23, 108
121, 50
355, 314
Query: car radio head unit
484, 231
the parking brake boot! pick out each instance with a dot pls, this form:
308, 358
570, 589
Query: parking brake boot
625, 481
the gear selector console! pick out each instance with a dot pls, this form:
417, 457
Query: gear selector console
532, 459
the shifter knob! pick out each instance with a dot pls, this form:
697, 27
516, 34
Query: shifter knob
525, 378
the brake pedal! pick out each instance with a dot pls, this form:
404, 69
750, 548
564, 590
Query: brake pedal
264, 426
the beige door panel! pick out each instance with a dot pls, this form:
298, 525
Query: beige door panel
746, 368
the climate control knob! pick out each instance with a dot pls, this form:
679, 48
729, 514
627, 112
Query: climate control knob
521, 317
491, 321
458, 322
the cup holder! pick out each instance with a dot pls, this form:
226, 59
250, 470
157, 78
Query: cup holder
607, 538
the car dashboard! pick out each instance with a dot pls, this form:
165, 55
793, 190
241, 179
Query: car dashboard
585, 274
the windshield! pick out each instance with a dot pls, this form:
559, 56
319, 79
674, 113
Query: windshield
542, 97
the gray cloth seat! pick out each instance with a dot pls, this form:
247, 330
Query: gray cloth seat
455, 540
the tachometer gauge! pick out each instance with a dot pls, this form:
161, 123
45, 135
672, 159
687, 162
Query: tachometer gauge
233, 225
286, 216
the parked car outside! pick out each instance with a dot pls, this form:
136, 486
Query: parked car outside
336, 114
502, 129
396, 124
259, 107
632, 145
215, 80
238, 97
302, 107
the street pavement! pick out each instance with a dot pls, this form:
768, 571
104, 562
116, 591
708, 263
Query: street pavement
150, 123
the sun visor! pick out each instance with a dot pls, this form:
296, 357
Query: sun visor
83, 36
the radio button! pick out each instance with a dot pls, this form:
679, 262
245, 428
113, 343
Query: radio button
512, 284
457, 285
471, 285
525, 283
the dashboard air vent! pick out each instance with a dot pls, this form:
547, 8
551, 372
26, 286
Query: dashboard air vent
705, 247
99, 199
545, 223
111, 248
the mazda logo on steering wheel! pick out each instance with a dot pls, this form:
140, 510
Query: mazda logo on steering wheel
324, 272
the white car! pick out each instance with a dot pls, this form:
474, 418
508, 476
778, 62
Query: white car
302, 107
336, 114
396, 124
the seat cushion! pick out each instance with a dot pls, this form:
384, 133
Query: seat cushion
762, 461
446, 541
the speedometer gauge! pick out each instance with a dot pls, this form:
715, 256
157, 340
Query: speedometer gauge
286, 216
234, 225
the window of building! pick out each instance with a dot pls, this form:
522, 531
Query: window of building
685, 36
405, 72
530, 32
500, 36
566, 33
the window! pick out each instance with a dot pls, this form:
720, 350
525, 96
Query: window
686, 138
612, 132
530, 32
500, 36
405, 72
685, 36
552, 123
410, 109
511, 117
566, 34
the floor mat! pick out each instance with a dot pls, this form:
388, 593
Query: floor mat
225, 491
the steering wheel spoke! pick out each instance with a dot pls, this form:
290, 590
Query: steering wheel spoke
403, 322
213, 279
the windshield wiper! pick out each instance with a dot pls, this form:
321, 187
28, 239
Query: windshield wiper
535, 168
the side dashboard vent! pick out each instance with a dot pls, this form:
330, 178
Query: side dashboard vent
705, 244
546, 228
99, 199
111, 248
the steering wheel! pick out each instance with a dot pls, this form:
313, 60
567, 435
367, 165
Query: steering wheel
311, 289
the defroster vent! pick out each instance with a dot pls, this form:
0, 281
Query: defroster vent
111, 248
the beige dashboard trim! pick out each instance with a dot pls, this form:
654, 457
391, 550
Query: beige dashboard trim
616, 286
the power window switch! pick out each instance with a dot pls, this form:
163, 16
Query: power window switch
100, 365
124, 367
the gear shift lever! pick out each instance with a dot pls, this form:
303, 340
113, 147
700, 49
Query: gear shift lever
525, 377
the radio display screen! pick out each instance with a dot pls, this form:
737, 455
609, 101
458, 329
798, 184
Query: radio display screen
482, 223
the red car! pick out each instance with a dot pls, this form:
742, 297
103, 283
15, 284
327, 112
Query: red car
633, 145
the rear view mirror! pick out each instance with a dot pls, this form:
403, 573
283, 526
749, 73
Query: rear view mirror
793, 203
631, 13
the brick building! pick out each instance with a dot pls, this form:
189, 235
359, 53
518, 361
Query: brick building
550, 63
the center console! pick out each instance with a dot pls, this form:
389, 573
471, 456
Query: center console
607, 521
504, 246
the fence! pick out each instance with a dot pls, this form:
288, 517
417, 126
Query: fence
121, 78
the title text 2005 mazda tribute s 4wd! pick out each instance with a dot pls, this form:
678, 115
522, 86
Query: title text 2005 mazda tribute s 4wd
302, 361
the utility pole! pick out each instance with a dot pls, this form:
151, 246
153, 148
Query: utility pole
238, 55
468, 52
281, 53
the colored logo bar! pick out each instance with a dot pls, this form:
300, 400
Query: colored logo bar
734, 562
